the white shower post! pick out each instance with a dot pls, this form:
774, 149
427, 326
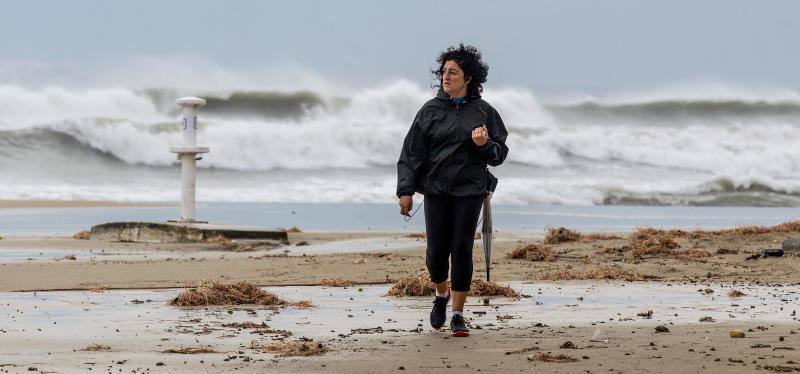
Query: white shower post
188, 155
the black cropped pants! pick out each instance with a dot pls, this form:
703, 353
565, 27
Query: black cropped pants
450, 224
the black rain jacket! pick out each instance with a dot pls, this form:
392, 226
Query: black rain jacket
439, 156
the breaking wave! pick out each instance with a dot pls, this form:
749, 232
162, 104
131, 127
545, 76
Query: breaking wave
716, 149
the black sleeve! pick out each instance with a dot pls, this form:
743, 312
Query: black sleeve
412, 157
495, 151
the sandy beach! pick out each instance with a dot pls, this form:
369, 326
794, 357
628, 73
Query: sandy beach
125, 288
248, 187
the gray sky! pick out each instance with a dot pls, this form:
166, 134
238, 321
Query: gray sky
545, 45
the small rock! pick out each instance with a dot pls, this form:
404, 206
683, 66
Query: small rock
568, 345
736, 334
707, 319
159, 363
662, 328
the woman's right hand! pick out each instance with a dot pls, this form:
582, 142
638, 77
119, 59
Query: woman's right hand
406, 203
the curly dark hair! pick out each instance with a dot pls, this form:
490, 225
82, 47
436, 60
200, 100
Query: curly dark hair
469, 59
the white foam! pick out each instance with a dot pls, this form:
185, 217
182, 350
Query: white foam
552, 162
26, 108
695, 90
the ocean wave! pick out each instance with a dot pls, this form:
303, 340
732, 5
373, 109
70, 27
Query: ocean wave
368, 130
679, 111
691, 152
247, 104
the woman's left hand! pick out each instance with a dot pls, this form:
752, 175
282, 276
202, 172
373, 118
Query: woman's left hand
480, 135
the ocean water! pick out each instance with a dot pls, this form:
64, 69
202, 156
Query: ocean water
386, 218
706, 145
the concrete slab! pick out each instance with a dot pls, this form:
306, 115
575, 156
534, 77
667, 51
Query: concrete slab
176, 232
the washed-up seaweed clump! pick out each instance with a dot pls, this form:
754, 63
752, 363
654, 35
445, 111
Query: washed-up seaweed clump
82, 235
599, 236
695, 253
417, 285
306, 347
421, 285
480, 287
190, 350
611, 273
647, 242
245, 325
216, 293
786, 227
97, 347
534, 252
336, 282
736, 293
791, 226
560, 235
549, 357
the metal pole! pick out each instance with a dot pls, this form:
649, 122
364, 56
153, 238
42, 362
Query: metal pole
187, 154
188, 178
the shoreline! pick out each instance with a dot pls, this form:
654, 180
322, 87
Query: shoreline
27, 204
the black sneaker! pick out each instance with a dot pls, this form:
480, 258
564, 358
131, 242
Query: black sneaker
439, 312
458, 326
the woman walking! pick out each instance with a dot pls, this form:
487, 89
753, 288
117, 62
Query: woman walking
445, 155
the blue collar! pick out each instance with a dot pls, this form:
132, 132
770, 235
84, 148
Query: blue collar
458, 100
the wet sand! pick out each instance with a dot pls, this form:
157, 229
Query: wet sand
365, 331
47, 330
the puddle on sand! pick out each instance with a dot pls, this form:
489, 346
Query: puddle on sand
381, 244
49, 255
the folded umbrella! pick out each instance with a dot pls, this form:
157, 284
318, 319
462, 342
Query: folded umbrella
486, 232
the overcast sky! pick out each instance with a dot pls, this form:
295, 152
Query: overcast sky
544, 45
